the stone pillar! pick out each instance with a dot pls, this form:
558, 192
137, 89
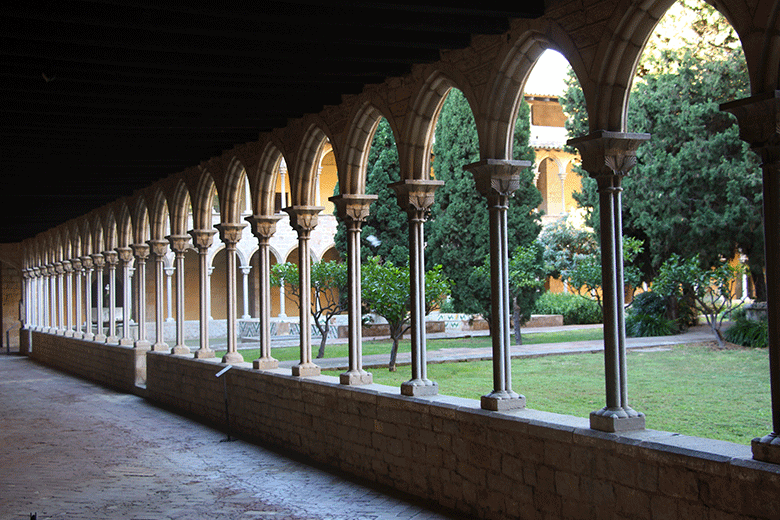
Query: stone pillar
496, 180
99, 261
608, 156
67, 268
202, 240
303, 220
59, 271
38, 298
416, 198
353, 211
264, 227
111, 260
141, 253
169, 271
179, 245
158, 249
125, 255
88, 264
230, 234
759, 126
78, 274
245, 270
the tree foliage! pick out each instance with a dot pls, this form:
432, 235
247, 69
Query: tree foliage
458, 227
329, 289
697, 187
386, 293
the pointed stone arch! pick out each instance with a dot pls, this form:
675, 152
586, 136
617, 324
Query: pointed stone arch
353, 162
302, 175
179, 208
263, 179
203, 200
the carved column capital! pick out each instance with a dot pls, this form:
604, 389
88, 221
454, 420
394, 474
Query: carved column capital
608, 153
67, 267
303, 219
87, 262
58, 268
158, 247
415, 196
140, 251
202, 239
98, 260
230, 233
497, 179
178, 243
125, 254
353, 207
76, 264
112, 257
263, 226
758, 118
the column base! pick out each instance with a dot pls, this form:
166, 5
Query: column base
204, 353
160, 347
767, 448
502, 401
306, 370
232, 358
356, 377
88, 336
265, 363
142, 345
615, 420
419, 387
126, 342
114, 340
181, 350
100, 338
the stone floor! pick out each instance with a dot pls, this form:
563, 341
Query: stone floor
75, 450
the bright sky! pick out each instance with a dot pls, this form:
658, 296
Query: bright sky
548, 75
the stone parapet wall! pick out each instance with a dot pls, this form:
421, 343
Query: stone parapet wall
523, 464
114, 366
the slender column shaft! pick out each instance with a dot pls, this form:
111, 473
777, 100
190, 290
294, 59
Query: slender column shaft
159, 248
202, 240
60, 287
179, 245
353, 211
111, 260
88, 264
759, 126
416, 198
68, 269
100, 263
245, 270
78, 285
230, 234
608, 156
125, 255
264, 227
303, 220
141, 253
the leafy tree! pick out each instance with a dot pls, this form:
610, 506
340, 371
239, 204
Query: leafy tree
386, 294
697, 187
712, 288
458, 228
385, 231
526, 283
329, 286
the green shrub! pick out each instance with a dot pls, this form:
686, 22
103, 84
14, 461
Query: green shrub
575, 309
748, 333
647, 317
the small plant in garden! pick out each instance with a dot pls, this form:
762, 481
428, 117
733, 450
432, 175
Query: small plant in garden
647, 317
748, 333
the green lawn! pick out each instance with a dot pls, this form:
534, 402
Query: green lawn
692, 390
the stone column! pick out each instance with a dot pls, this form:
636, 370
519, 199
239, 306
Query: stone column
202, 240
78, 272
67, 268
111, 260
158, 249
141, 253
59, 271
38, 298
759, 126
264, 227
169, 271
303, 220
88, 264
608, 156
230, 234
99, 261
353, 211
179, 247
245, 270
125, 255
496, 180
416, 198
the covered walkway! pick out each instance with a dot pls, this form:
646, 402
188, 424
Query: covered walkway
73, 449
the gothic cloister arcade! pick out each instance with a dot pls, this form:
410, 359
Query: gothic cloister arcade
531, 460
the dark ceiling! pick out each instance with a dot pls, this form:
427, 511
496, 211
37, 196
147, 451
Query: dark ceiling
100, 98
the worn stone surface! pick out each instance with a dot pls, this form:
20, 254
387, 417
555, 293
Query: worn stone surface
76, 450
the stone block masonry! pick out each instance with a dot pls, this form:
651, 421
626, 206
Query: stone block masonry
495, 465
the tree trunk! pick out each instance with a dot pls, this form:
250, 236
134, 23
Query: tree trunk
393, 354
517, 322
324, 336
759, 282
